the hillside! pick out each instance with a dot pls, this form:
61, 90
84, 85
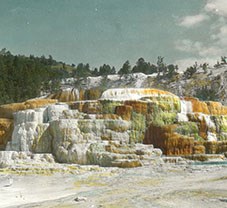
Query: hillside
25, 77
209, 85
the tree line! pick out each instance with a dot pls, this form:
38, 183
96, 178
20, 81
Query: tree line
161, 68
24, 77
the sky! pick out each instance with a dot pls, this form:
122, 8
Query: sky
113, 31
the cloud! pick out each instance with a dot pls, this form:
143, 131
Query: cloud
214, 45
218, 7
191, 21
221, 36
183, 64
188, 45
200, 49
218, 30
198, 52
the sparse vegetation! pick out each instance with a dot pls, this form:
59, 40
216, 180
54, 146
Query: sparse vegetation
188, 128
190, 71
206, 93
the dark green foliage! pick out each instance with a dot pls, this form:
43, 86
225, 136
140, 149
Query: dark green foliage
95, 72
144, 67
113, 70
82, 70
167, 71
161, 66
104, 83
204, 66
223, 60
190, 71
125, 68
205, 93
171, 70
105, 69
23, 77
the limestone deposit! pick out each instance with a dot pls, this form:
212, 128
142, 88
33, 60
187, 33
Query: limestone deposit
123, 128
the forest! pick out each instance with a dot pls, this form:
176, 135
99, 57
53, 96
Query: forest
24, 77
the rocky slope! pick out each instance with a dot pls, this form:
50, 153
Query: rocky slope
200, 84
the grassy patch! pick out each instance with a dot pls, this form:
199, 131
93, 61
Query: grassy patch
187, 128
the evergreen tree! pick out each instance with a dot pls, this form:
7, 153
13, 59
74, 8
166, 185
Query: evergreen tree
161, 66
104, 70
113, 70
144, 67
82, 70
24, 77
95, 72
125, 68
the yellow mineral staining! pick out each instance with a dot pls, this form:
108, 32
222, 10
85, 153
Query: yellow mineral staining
217, 108
151, 92
125, 111
67, 95
6, 128
107, 116
127, 163
215, 147
199, 149
6, 111
138, 106
73, 94
198, 106
209, 107
92, 107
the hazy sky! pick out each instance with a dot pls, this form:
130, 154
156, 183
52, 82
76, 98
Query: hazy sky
113, 31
